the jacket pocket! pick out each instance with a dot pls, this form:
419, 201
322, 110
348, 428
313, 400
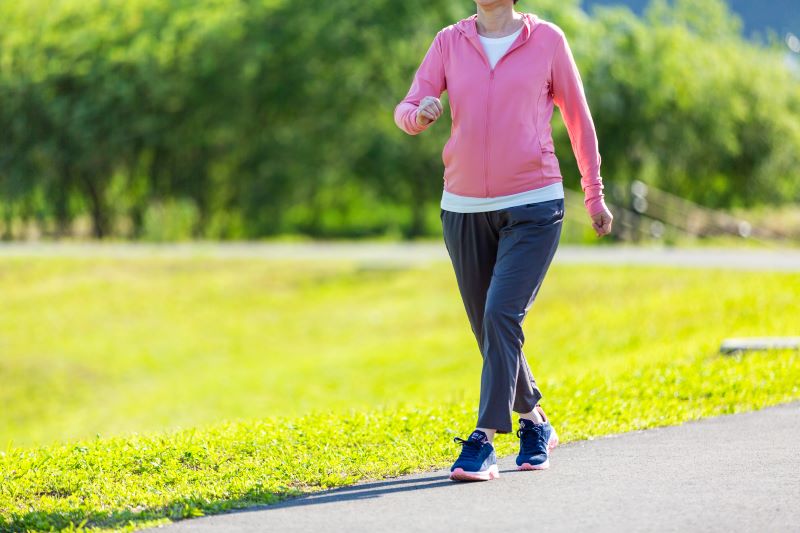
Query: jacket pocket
527, 153
447, 152
546, 145
550, 165
545, 130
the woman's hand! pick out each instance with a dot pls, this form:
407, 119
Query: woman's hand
602, 222
430, 108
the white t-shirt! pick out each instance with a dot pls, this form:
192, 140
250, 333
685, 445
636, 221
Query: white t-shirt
495, 47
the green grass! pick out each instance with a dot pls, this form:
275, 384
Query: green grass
249, 380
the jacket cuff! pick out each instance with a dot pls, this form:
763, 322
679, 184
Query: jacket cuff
415, 127
594, 199
405, 116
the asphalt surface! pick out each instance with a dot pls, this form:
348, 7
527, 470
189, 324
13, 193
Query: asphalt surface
730, 473
409, 254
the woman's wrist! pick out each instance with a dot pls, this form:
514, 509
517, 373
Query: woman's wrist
595, 204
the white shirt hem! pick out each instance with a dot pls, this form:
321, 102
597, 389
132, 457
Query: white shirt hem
471, 204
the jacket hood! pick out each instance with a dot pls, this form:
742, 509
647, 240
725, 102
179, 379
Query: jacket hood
469, 27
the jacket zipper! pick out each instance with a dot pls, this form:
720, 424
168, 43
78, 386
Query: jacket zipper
486, 137
488, 102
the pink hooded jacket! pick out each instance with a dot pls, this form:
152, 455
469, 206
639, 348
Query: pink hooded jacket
501, 139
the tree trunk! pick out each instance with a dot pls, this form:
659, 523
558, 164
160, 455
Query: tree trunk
99, 214
8, 219
61, 201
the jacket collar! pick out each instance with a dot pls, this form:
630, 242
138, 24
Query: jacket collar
469, 26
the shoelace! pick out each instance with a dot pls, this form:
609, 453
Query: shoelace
470, 448
531, 437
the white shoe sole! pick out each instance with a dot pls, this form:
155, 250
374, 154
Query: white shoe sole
459, 474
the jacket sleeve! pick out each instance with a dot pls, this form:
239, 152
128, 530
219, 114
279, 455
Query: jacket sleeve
569, 96
429, 80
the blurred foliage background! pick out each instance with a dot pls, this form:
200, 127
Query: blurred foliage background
242, 119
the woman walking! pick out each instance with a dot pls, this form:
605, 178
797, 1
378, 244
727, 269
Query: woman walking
503, 200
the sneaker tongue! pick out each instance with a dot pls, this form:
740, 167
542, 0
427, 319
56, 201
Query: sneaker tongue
479, 436
526, 424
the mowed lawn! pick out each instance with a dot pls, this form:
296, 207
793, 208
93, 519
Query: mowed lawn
154, 388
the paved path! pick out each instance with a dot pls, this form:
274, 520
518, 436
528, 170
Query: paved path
422, 252
730, 473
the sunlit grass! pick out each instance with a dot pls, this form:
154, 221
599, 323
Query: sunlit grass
291, 376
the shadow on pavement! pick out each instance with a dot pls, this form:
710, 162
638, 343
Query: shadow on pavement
355, 492
116, 519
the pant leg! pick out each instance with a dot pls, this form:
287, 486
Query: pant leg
472, 241
529, 237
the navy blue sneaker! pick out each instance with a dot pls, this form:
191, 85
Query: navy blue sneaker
477, 461
536, 441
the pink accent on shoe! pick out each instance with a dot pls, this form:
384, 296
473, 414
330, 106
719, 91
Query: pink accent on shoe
459, 474
527, 466
552, 443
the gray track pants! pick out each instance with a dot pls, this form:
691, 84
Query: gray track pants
500, 259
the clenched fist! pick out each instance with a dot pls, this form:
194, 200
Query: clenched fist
601, 222
430, 108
